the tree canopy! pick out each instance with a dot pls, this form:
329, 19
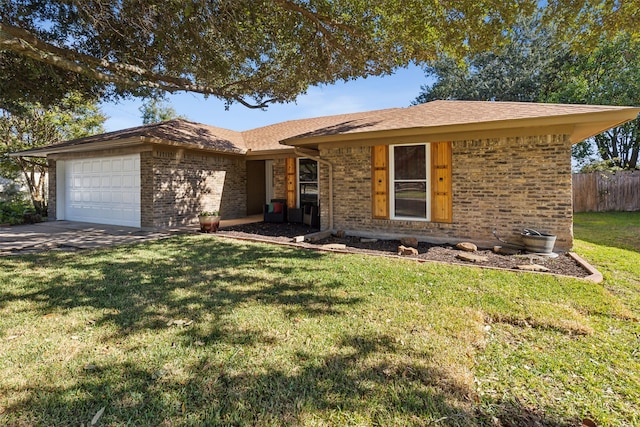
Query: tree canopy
156, 110
524, 69
254, 52
35, 126
532, 66
609, 74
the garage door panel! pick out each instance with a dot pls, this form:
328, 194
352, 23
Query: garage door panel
104, 190
128, 181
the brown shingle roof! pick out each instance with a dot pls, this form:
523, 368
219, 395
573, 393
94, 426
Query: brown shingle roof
436, 116
176, 131
269, 137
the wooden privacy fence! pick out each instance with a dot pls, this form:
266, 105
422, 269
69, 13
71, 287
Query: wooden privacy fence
606, 191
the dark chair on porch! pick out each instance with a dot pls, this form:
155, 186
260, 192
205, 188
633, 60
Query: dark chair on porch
276, 211
294, 215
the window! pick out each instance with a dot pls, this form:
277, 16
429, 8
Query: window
410, 181
307, 182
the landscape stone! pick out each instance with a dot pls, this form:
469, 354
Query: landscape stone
368, 240
340, 233
467, 246
407, 251
471, 257
409, 241
505, 251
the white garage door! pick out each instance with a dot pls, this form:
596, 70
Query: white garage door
104, 190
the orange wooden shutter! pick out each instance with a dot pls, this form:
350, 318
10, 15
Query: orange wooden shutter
290, 166
380, 181
441, 197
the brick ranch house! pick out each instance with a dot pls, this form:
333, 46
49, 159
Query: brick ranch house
443, 171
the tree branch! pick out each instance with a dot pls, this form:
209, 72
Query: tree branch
322, 22
23, 42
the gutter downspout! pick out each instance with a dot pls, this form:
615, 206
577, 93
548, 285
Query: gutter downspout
302, 153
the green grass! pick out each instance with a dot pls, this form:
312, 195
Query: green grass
199, 330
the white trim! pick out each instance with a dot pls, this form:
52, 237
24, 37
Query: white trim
268, 180
392, 195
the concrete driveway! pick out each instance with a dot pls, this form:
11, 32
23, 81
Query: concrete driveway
71, 235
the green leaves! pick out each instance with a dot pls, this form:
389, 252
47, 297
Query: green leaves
247, 51
156, 110
521, 69
31, 125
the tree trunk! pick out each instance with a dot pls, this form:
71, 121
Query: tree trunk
35, 177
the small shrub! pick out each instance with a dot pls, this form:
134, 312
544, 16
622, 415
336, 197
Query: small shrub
12, 212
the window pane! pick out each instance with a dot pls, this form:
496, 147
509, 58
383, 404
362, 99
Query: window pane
410, 162
411, 199
308, 170
308, 182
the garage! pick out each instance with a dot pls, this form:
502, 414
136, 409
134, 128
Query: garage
103, 190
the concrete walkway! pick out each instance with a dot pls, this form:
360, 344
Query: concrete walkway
71, 235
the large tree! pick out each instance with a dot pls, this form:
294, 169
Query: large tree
156, 110
610, 75
532, 66
523, 69
252, 51
34, 126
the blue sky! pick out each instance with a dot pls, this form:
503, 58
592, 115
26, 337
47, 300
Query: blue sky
373, 93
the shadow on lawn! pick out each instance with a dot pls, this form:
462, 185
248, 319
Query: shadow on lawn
366, 378
180, 281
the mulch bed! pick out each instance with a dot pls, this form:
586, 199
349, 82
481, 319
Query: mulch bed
284, 233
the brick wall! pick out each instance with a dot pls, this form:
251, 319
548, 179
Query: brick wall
51, 204
176, 184
187, 182
146, 189
506, 183
279, 179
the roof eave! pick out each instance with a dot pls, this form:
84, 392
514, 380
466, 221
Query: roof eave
119, 143
160, 141
80, 148
272, 153
578, 126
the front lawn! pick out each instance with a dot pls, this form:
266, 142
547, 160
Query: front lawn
199, 330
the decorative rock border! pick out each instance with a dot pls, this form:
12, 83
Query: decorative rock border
594, 275
300, 242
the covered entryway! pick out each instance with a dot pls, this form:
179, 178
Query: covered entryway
102, 190
256, 187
